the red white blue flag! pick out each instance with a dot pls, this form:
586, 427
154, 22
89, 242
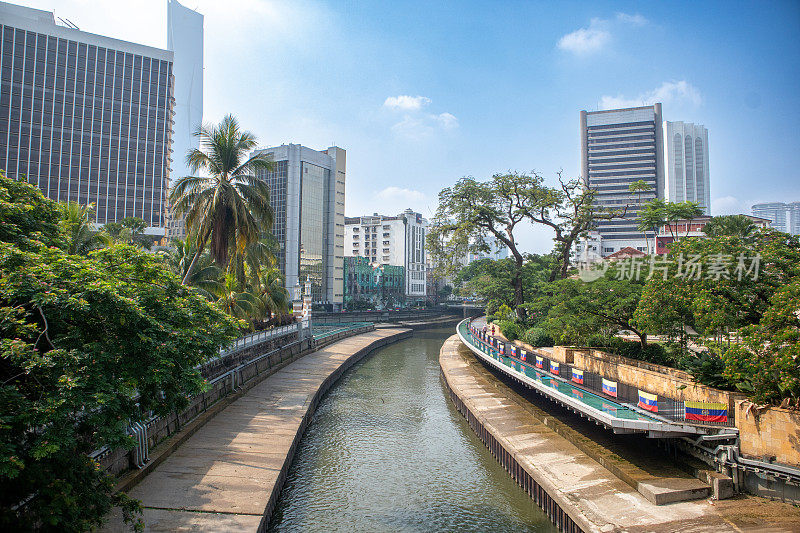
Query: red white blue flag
648, 401
706, 411
523, 355
610, 387
539, 362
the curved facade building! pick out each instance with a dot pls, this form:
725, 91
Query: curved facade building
686, 164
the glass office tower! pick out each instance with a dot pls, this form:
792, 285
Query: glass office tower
85, 118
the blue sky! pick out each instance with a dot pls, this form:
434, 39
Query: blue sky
423, 93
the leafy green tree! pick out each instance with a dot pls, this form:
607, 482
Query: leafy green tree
569, 210
88, 345
472, 211
76, 225
235, 301
130, 230
766, 363
272, 296
229, 209
730, 226
581, 310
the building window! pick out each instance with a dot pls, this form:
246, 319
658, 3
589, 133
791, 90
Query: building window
608, 250
689, 152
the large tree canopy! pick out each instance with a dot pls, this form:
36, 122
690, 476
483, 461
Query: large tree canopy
89, 345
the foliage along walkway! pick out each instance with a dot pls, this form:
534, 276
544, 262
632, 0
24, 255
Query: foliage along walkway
592, 497
228, 475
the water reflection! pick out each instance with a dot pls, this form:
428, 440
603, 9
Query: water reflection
386, 451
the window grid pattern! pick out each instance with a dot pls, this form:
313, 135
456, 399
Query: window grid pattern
86, 124
277, 182
689, 152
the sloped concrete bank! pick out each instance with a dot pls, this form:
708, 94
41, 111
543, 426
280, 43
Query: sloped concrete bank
228, 475
576, 492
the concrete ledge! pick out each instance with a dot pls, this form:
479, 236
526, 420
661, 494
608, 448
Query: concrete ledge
226, 472
574, 490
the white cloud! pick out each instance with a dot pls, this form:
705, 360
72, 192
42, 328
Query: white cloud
400, 195
593, 39
669, 92
586, 41
728, 205
447, 120
634, 20
406, 103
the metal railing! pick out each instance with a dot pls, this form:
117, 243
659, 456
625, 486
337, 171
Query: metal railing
258, 337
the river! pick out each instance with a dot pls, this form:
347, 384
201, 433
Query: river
387, 451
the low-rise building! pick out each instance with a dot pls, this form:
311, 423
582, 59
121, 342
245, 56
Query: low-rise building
381, 285
392, 240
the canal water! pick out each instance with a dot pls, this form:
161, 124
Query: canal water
387, 451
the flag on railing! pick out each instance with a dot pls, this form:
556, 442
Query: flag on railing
577, 376
553, 367
610, 387
523, 355
513, 351
706, 411
502, 348
539, 362
648, 401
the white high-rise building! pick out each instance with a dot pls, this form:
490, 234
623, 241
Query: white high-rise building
783, 217
686, 162
397, 240
185, 40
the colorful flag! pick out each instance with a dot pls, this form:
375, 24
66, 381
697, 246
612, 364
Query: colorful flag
648, 401
610, 387
539, 362
577, 376
553, 367
502, 348
513, 351
523, 355
706, 411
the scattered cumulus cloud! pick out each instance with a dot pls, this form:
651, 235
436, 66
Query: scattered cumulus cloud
669, 92
595, 37
634, 20
416, 123
728, 205
586, 41
399, 194
406, 103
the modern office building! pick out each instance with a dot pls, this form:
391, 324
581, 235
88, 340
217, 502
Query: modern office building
185, 40
497, 251
784, 217
392, 240
619, 147
84, 117
686, 164
307, 196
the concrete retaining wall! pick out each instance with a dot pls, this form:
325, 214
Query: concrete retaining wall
770, 432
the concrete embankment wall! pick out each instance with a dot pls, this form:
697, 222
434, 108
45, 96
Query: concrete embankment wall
228, 474
769, 432
576, 492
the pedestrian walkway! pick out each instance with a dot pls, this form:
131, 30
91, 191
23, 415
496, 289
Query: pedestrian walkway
228, 475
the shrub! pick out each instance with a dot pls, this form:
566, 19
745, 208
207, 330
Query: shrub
510, 329
536, 337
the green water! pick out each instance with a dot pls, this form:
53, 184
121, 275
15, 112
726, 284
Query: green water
387, 451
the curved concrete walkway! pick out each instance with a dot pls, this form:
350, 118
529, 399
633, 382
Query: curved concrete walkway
228, 475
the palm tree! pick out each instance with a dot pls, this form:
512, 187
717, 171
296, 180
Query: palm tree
730, 226
272, 294
206, 276
237, 303
230, 208
639, 187
81, 237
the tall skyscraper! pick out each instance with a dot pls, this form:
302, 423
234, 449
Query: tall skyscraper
618, 147
307, 195
185, 40
392, 240
686, 164
86, 118
784, 217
